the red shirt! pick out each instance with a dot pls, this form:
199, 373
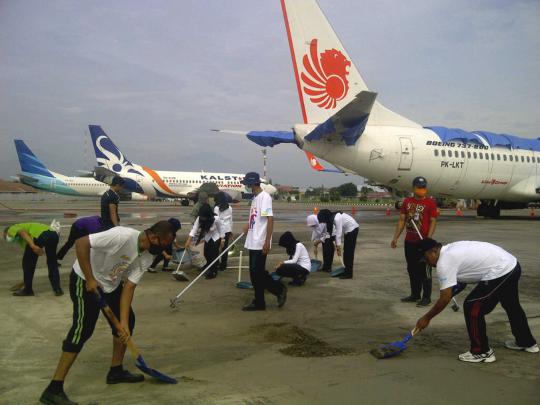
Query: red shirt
421, 211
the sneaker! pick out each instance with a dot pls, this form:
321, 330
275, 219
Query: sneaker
210, 276
410, 298
282, 298
55, 399
510, 344
424, 302
488, 357
345, 276
252, 307
124, 377
151, 270
23, 293
58, 292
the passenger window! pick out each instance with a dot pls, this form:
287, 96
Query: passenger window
481, 155
474, 155
498, 157
449, 153
463, 154
511, 158
443, 153
528, 159
504, 158
436, 152
493, 156
487, 156
469, 155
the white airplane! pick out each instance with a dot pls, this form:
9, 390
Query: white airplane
345, 125
163, 184
34, 173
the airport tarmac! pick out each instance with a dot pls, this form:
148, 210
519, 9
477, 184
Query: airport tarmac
314, 350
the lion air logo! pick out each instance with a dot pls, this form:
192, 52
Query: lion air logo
325, 76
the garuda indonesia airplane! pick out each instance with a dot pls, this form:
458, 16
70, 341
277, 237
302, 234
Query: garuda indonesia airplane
34, 173
344, 124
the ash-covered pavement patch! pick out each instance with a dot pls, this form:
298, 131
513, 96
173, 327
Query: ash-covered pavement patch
302, 343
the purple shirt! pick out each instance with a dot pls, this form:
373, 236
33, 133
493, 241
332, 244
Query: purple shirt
89, 224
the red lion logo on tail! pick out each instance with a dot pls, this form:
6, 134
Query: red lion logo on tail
325, 76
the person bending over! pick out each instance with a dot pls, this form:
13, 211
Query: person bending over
299, 264
104, 260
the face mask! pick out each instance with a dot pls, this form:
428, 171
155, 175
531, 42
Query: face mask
420, 192
10, 239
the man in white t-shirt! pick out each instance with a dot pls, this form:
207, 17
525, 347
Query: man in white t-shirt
258, 241
496, 274
111, 263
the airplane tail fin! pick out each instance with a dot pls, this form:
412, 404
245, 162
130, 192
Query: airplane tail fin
326, 78
107, 153
30, 162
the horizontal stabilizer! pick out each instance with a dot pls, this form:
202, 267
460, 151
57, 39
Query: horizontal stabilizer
348, 123
263, 138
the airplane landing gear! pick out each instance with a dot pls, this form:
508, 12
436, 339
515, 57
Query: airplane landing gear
488, 211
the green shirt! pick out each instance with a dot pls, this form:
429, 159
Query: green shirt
34, 229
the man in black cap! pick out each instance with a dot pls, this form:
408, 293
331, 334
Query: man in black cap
419, 215
259, 241
496, 274
109, 204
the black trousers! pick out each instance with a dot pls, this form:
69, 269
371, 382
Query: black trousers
159, 257
419, 271
260, 278
225, 257
211, 251
74, 234
86, 312
48, 240
328, 253
484, 298
293, 270
349, 245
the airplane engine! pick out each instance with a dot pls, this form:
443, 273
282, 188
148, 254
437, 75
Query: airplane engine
138, 197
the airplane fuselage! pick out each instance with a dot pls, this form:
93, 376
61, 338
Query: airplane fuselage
393, 156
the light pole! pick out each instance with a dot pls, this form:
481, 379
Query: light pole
264, 163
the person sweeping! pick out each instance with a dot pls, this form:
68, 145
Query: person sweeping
496, 274
299, 264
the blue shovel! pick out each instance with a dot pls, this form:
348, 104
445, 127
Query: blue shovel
139, 361
393, 349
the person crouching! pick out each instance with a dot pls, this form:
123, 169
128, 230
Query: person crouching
209, 228
299, 264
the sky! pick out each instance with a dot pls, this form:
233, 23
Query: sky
158, 75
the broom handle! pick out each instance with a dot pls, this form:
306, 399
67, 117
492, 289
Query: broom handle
421, 238
109, 314
180, 262
208, 266
240, 266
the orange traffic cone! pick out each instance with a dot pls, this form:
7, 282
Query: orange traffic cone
459, 213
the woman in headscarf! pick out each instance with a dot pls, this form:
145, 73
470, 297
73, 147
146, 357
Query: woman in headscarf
209, 228
166, 254
345, 228
224, 212
299, 264
319, 235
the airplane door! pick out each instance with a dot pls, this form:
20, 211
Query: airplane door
406, 157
